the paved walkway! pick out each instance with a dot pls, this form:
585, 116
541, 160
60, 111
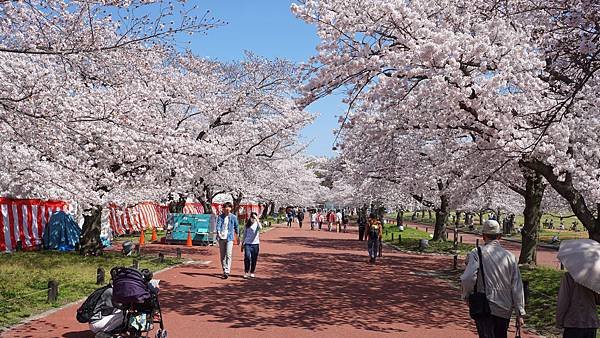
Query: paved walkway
545, 256
309, 284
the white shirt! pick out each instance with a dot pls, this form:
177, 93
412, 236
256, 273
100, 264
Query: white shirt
252, 233
223, 233
338, 217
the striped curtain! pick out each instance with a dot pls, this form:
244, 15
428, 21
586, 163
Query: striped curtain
24, 220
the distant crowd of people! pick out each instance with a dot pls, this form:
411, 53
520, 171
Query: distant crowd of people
336, 220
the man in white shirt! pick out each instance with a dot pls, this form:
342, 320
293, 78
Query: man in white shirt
227, 229
338, 220
501, 283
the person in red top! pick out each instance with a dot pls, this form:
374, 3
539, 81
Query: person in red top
330, 220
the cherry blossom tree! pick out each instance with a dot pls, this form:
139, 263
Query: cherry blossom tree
520, 76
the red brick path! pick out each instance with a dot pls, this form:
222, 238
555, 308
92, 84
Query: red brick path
309, 284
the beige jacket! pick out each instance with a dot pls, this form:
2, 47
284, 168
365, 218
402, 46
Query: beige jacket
503, 285
576, 306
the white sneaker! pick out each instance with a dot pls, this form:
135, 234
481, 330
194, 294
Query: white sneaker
246, 276
252, 275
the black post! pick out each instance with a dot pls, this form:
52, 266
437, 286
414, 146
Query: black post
136, 264
455, 262
399, 238
52, 291
426, 229
460, 239
100, 276
526, 290
477, 242
161, 257
392, 236
178, 252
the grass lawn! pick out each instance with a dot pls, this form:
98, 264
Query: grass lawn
545, 235
24, 278
541, 306
411, 238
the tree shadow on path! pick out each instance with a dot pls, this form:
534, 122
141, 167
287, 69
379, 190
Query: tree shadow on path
316, 290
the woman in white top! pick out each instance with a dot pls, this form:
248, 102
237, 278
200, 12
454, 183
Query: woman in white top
251, 242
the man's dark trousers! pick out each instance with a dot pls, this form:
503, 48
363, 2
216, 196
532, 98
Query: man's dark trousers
492, 327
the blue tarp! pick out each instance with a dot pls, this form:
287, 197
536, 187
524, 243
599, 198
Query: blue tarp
61, 233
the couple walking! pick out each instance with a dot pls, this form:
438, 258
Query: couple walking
227, 233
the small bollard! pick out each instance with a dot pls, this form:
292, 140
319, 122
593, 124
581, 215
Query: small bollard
399, 238
392, 236
161, 257
178, 252
526, 290
477, 242
455, 265
52, 291
100, 276
136, 264
460, 239
426, 229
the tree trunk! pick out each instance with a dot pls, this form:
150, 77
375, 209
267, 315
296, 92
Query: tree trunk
429, 214
534, 192
457, 220
422, 214
481, 218
265, 212
90, 243
177, 207
206, 199
566, 188
237, 201
441, 218
499, 216
400, 217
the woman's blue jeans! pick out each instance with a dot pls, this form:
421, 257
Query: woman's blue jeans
250, 257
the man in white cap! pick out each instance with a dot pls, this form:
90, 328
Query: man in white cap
500, 281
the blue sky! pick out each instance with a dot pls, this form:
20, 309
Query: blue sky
268, 28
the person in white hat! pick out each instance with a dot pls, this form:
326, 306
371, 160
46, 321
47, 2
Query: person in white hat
500, 281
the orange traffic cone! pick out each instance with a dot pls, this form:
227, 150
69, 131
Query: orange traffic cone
142, 238
154, 237
189, 239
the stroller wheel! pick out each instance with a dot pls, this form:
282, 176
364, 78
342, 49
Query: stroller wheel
161, 334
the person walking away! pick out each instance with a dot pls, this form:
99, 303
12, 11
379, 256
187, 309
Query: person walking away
373, 232
251, 244
576, 309
320, 219
579, 292
227, 230
338, 221
300, 218
330, 220
313, 219
289, 217
362, 225
499, 280
345, 221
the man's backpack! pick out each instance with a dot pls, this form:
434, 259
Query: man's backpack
86, 310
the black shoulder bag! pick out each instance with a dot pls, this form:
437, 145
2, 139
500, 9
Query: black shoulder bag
478, 303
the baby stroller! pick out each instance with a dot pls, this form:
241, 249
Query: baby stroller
138, 301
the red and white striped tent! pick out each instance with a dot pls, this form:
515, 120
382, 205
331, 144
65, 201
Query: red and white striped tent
145, 215
24, 220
